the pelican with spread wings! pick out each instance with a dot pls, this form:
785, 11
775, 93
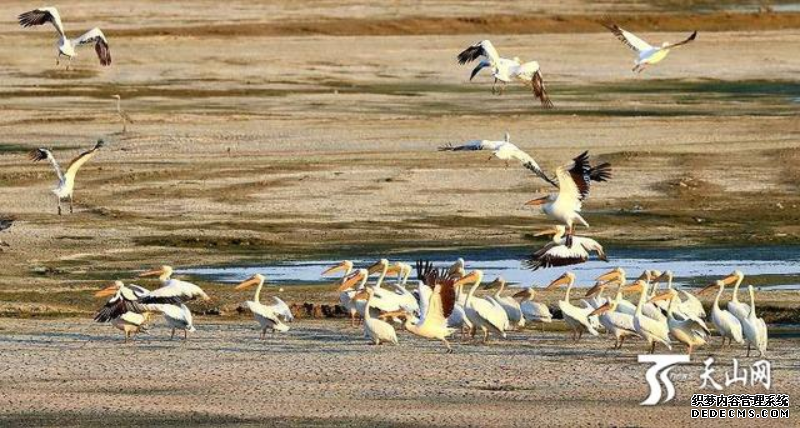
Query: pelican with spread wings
558, 253
66, 181
66, 46
647, 54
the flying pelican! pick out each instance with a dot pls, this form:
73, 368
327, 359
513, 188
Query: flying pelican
437, 308
557, 253
647, 54
686, 303
66, 181
503, 150
482, 313
617, 323
67, 46
126, 309
346, 294
377, 330
727, 324
739, 309
183, 290
506, 70
649, 329
509, 305
574, 180
754, 328
267, 316
533, 311
576, 318
687, 331
123, 117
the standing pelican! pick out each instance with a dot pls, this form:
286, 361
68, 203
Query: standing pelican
557, 253
345, 294
66, 181
482, 313
377, 330
649, 329
577, 319
617, 323
123, 117
574, 180
66, 47
127, 308
727, 324
170, 287
533, 311
509, 305
686, 303
506, 70
739, 309
647, 54
754, 328
687, 331
267, 316
503, 150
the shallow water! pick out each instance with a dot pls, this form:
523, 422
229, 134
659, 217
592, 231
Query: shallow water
777, 266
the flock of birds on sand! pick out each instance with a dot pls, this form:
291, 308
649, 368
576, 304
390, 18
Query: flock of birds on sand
439, 307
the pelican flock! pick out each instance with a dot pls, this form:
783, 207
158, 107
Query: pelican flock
66, 46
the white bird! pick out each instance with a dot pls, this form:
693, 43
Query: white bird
482, 313
728, 326
268, 317
754, 328
574, 180
178, 317
282, 309
127, 308
557, 253
509, 305
66, 181
617, 323
576, 318
503, 150
377, 330
533, 311
437, 307
686, 303
649, 329
739, 309
687, 331
646, 54
345, 292
183, 290
506, 70
67, 46
123, 117
387, 300
614, 276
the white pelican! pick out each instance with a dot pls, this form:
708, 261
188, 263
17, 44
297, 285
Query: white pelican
123, 117
647, 54
282, 309
687, 331
614, 276
67, 46
617, 323
459, 318
533, 311
387, 300
127, 309
407, 300
557, 253
267, 316
686, 303
511, 306
574, 180
376, 330
576, 318
185, 291
727, 324
482, 313
437, 307
649, 329
66, 181
506, 70
739, 309
503, 150
754, 328
178, 317
345, 294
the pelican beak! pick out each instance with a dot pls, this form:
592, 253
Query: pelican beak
393, 269
605, 308
108, 291
249, 283
154, 272
375, 267
608, 276
350, 282
563, 279
598, 286
494, 284
522, 293
636, 286
662, 296
730, 279
470, 277
552, 231
340, 267
537, 201
705, 289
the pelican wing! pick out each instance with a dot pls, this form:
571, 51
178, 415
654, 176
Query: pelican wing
100, 44
629, 39
132, 318
557, 255
688, 40
484, 48
282, 309
535, 311
539, 91
509, 150
476, 70
574, 180
182, 290
42, 16
116, 307
441, 304
81, 159
621, 321
473, 145
42, 154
